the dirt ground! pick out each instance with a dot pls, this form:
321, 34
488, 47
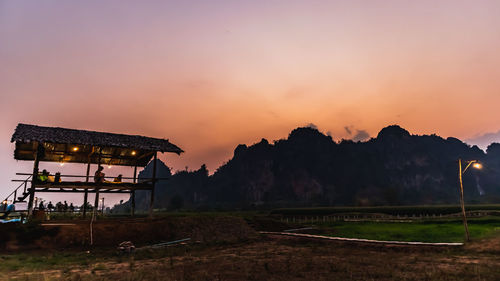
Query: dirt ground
109, 233
289, 258
230, 248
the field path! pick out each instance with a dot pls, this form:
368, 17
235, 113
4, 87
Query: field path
362, 240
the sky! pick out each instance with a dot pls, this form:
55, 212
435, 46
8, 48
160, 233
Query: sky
209, 75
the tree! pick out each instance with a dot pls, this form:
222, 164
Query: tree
176, 202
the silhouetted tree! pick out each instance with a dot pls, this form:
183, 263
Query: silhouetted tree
310, 169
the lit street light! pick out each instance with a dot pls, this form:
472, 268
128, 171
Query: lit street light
475, 164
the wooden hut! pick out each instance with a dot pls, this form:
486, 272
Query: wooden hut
37, 143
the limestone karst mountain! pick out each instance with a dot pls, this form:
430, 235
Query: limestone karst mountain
310, 169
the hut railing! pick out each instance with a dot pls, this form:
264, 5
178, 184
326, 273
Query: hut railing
23, 184
80, 176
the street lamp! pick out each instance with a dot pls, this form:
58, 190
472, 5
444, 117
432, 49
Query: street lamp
475, 164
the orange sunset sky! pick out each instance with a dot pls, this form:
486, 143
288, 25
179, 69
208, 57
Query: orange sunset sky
209, 75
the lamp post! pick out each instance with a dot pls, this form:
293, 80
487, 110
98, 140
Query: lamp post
476, 165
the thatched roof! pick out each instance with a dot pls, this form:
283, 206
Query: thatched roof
58, 141
28, 133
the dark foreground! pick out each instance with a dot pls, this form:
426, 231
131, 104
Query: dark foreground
276, 258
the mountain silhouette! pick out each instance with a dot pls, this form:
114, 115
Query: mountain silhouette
310, 169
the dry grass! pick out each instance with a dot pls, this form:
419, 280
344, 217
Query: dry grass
283, 258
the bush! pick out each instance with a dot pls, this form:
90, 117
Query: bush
176, 202
389, 210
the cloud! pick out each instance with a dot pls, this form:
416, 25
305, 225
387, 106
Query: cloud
348, 130
312, 126
483, 141
361, 135
356, 134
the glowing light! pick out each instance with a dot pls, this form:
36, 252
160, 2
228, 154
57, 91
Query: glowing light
61, 164
477, 165
75, 148
133, 152
109, 166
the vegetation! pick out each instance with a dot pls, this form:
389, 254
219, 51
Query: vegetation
310, 169
279, 257
388, 210
269, 259
418, 231
42, 261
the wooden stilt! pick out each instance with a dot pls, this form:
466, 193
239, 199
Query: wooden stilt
85, 196
34, 178
88, 171
132, 202
154, 184
132, 194
96, 201
85, 200
135, 174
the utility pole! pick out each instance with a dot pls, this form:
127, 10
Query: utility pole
475, 164
462, 204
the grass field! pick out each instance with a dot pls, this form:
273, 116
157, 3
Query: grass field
421, 231
284, 258
388, 210
271, 258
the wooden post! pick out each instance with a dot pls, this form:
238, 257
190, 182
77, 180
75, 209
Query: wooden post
154, 184
132, 194
96, 202
132, 203
34, 178
135, 173
85, 200
86, 194
462, 204
88, 171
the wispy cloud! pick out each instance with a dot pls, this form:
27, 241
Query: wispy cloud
483, 141
361, 135
356, 134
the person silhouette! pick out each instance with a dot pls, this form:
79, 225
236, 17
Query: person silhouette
99, 175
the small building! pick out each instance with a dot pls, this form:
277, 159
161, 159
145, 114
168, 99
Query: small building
52, 144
